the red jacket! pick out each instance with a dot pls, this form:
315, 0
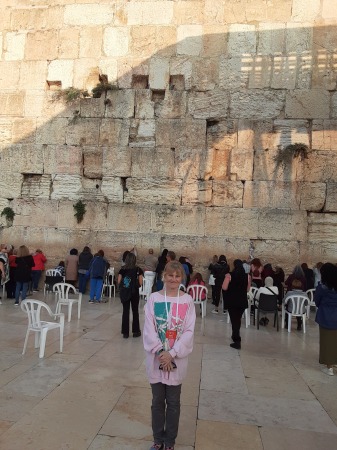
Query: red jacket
39, 260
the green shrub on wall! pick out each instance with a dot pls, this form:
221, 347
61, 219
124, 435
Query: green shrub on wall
80, 210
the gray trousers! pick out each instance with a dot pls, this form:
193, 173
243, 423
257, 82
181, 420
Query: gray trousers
165, 413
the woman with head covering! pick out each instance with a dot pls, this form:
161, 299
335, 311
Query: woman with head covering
220, 269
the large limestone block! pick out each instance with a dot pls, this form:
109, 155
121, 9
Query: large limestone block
173, 106
166, 41
36, 186
27, 159
189, 40
313, 196
329, 10
10, 184
298, 38
41, 45
181, 132
281, 252
284, 72
92, 162
144, 106
159, 73
150, 12
114, 133
69, 43
182, 65
66, 186
122, 104
214, 40
321, 166
143, 40
153, 191
86, 14
142, 133
12, 103
92, 107
316, 251
188, 12
61, 70
257, 10
189, 164
242, 156
307, 104
63, 159
94, 218
33, 75
227, 193
288, 132
309, 13
109, 67
34, 213
52, 132
271, 194
241, 39
129, 218
234, 72
197, 192
86, 73
271, 38
256, 104
91, 42
214, 12
116, 41
182, 220
9, 74
261, 72
24, 130
205, 74
231, 222
112, 189
322, 227
36, 18
152, 162
6, 126
34, 103
83, 132
15, 46
331, 197
208, 105
222, 134
116, 161
281, 224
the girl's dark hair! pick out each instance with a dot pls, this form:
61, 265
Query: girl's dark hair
74, 251
164, 252
197, 277
182, 260
329, 275
238, 272
61, 263
86, 249
222, 259
298, 272
125, 254
100, 253
256, 262
130, 261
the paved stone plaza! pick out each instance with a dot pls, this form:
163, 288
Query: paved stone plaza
270, 395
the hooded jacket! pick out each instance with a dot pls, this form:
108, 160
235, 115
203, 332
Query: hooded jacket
326, 302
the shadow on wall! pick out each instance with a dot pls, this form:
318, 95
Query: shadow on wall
188, 146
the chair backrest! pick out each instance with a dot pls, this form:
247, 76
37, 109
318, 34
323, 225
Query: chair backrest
252, 291
267, 302
310, 293
297, 304
53, 273
33, 309
150, 275
182, 287
109, 277
146, 288
197, 292
63, 290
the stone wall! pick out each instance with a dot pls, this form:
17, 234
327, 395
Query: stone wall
185, 152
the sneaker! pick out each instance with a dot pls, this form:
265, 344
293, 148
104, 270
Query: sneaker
157, 446
328, 371
215, 311
91, 301
224, 312
16, 304
235, 345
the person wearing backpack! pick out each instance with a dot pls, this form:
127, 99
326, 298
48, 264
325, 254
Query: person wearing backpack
97, 272
130, 279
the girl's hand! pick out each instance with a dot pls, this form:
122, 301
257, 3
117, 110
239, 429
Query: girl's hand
165, 358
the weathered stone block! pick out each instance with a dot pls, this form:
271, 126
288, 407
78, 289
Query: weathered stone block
197, 192
309, 13
227, 193
33, 75
231, 222
214, 12
52, 132
273, 252
173, 106
86, 73
68, 43
116, 161
10, 184
214, 41
159, 73
215, 164
271, 194
92, 162
328, 10
88, 14
33, 104
62, 159
176, 132
42, 45
307, 104
5, 131
112, 189
116, 41
142, 133
114, 133
256, 104
15, 46
32, 210
321, 166
284, 72
322, 227
83, 132
313, 196
108, 66
166, 41
260, 73
9, 74
92, 107
242, 156
281, 224
12, 103
91, 42
154, 191
331, 197
205, 74
234, 72
271, 38
241, 39
152, 162
208, 105
36, 186
152, 12
182, 66
298, 39
94, 218
143, 41
122, 104
189, 40
61, 71
23, 131
188, 12
36, 18
178, 221
144, 106
65, 186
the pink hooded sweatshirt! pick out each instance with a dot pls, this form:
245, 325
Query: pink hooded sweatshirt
178, 314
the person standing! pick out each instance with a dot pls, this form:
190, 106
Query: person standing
97, 272
130, 278
220, 269
150, 261
237, 284
72, 266
84, 261
39, 262
325, 298
168, 340
24, 264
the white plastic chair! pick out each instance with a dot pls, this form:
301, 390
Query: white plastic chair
298, 304
63, 292
197, 291
310, 293
182, 287
51, 273
41, 327
109, 284
146, 289
150, 276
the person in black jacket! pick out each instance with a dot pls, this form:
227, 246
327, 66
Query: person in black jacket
220, 269
84, 261
97, 271
23, 274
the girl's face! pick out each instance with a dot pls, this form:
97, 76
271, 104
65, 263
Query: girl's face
173, 280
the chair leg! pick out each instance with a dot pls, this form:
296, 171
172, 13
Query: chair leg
43, 342
61, 338
258, 318
37, 340
289, 322
79, 309
70, 307
25, 344
303, 320
277, 320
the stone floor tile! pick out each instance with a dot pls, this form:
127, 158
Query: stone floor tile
288, 439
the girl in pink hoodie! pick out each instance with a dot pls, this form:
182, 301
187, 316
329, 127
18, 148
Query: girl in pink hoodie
168, 340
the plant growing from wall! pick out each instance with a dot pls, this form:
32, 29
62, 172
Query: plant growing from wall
80, 210
9, 214
69, 95
292, 151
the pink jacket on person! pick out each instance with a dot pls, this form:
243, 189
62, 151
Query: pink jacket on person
39, 260
181, 317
